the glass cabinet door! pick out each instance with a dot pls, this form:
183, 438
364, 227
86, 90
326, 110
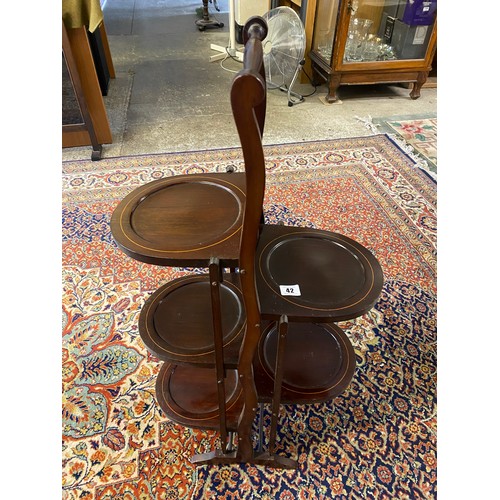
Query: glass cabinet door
389, 29
324, 28
379, 30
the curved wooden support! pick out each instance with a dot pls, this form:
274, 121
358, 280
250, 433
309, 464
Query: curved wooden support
421, 79
248, 101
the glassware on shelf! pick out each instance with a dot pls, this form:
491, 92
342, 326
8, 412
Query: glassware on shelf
386, 53
371, 49
325, 44
358, 32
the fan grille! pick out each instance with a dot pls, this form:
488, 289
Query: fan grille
284, 46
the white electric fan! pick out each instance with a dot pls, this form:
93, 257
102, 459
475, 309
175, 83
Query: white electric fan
284, 49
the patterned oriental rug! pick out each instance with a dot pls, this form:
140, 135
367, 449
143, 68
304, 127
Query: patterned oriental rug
416, 135
421, 135
377, 440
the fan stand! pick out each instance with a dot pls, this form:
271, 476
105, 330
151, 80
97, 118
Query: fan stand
231, 50
206, 22
299, 97
293, 97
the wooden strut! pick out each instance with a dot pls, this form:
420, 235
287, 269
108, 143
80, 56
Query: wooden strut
278, 379
228, 454
270, 456
216, 278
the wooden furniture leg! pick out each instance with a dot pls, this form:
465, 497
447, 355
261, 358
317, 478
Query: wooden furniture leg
215, 276
278, 380
206, 22
260, 446
333, 86
87, 127
421, 79
107, 51
84, 62
270, 456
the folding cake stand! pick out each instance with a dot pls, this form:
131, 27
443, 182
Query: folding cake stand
259, 326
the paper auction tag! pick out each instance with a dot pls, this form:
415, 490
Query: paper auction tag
290, 290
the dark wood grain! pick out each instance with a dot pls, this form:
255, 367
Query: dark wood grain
183, 220
188, 395
175, 322
338, 278
318, 364
248, 93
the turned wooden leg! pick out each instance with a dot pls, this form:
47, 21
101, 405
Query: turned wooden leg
206, 21
205, 10
421, 79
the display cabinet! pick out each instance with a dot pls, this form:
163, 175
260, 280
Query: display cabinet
373, 41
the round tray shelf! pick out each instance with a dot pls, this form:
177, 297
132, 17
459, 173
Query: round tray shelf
188, 396
337, 278
319, 363
176, 321
182, 220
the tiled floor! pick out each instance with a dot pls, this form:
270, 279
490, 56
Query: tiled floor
168, 96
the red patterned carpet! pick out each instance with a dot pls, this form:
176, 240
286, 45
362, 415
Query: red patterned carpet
375, 441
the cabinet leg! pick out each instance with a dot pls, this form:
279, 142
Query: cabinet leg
96, 151
333, 85
421, 79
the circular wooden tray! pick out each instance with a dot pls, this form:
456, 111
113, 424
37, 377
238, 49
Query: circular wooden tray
319, 363
188, 396
182, 220
338, 278
176, 321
